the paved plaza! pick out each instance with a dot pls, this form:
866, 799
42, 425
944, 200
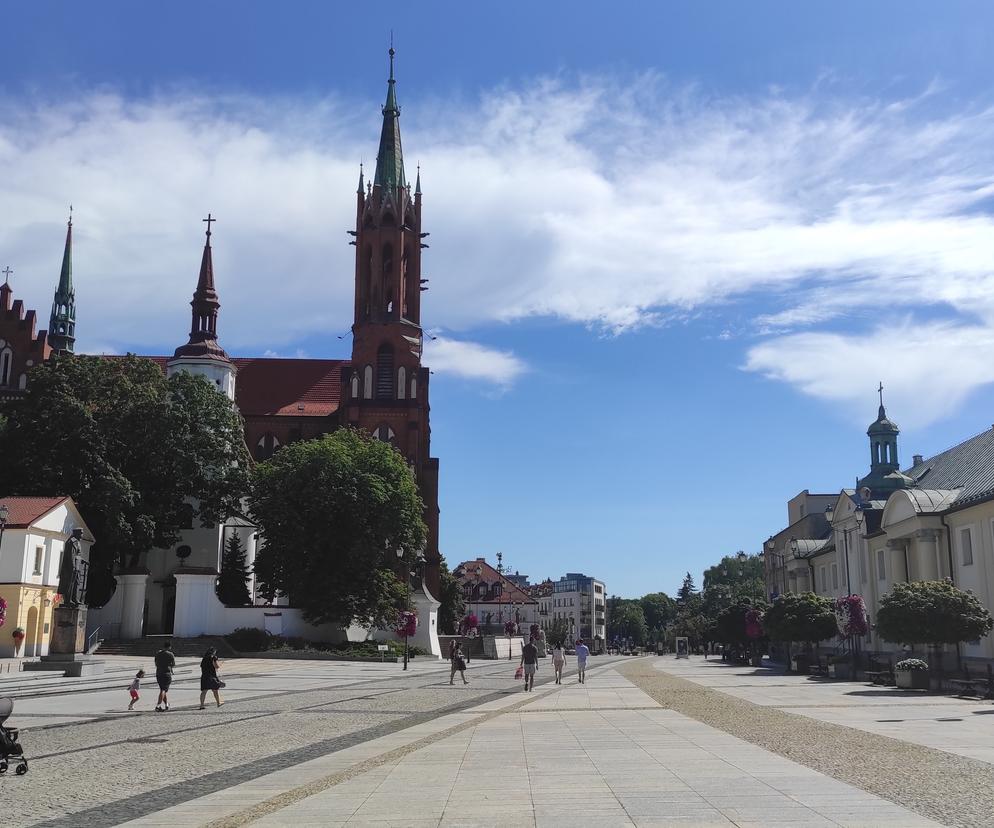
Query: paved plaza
337, 743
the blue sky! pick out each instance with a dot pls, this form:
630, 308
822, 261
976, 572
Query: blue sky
674, 246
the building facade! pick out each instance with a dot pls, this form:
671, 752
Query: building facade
581, 602
494, 598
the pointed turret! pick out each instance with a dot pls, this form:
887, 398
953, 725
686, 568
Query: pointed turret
885, 474
390, 158
62, 322
202, 353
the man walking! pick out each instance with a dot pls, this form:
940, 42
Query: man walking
582, 652
529, 660
165, 663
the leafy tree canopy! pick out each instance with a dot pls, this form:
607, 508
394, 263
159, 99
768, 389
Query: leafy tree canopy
730, 625
332, 512
452, 606
629, 621
142, 455
931, 612
801, 617
687, 589
659, 609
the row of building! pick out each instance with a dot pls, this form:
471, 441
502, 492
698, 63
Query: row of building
933, 520
576, 600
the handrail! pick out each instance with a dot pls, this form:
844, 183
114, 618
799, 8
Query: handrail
90, 644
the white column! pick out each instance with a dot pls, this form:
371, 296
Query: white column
898, 559
195, 597
427, 609
927, 549
132, 587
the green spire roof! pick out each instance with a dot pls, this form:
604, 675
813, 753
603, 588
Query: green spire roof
65, 277
390, 158
62, 322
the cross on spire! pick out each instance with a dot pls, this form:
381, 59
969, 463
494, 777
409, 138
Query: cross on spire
6, 274
880, 391
209, 219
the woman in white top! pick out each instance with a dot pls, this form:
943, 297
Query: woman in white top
558, 661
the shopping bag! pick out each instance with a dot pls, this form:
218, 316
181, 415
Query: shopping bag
519, 673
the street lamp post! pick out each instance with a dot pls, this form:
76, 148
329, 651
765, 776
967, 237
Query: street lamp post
4, 517
400, 556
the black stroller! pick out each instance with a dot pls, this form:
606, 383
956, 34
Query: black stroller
10, 748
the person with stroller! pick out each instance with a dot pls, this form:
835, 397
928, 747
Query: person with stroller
136, 684
208, 677
165, 663
457, 660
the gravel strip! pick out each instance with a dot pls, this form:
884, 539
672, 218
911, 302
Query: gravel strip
947, 788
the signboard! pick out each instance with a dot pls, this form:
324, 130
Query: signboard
382, 648
682, 647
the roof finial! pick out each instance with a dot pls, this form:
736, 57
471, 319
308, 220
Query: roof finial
6, 275
70, 215
880, 391
417, 182
392, 53
209, 219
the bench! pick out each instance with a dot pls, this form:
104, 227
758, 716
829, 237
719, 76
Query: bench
972, 687
884, 677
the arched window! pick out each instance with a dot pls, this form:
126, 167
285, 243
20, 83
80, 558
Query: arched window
354, 389
6, 365
414, 386
366, 283
22, 383
401, 382
384, 372
266, 446
367, 382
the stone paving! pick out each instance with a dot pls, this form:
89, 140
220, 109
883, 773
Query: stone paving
964, 727
600, 754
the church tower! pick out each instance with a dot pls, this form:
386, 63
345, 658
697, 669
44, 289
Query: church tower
386, 385
885, 473
202, 354
62, 322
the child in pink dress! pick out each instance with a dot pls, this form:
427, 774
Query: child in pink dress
133, 689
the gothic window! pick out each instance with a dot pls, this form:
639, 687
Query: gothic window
414, 386
367, 383
266, 447
388, 277
355, 385
367, 280
22, 383
404, 287
384, 372
401, 382
6, 364
385, 434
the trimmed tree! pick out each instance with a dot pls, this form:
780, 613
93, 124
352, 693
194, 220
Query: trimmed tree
452, 605
143, 456
931, 612
332, 514
232, 585
801, 617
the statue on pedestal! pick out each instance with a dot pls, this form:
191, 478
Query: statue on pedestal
69, 573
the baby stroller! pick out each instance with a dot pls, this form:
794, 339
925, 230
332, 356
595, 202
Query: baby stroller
9, 746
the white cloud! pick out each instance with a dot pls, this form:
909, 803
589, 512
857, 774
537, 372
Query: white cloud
604, 203
470, 360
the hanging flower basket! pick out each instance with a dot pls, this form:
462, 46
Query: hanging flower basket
850, 615
754, 624
17, 634
57, 600
469, 624
407, 624
510, 627
3, 611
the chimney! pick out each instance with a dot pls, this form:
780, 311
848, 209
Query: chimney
917, 460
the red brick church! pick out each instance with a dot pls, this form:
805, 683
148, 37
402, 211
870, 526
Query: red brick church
382, 388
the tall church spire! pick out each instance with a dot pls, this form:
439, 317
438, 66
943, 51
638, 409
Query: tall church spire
390, 158
62, 322
205, 305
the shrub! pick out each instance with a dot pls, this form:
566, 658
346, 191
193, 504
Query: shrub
910, 665
250, 640
931, 612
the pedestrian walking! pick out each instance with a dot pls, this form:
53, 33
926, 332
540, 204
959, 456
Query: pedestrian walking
457, 662
529, 661
209, 679
135, 685
582, 653
558, 661
165, 663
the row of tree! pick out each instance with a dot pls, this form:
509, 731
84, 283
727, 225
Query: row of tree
145, 457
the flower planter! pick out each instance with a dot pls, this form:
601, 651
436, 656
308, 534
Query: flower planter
911, 679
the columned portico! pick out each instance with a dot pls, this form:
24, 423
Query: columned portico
132, 588
927, 559
898, 548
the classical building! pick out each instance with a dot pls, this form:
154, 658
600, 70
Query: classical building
493, 597
933, 520
32, 539
382, 387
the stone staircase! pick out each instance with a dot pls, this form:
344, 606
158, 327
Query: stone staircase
150, 645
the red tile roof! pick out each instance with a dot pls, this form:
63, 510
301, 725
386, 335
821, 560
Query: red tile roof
23, 511
288, 387
283, 387
466, 574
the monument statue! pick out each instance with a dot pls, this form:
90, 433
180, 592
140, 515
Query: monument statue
69, 572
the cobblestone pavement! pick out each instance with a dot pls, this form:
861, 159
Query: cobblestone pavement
598, 754
94, 764
946, 787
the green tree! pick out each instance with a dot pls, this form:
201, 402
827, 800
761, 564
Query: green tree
629, 622
143, 456
332, 513
232, 585
452, 607
931, 612
744, 579
801, 617
687, 589
558, 634
659, 609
